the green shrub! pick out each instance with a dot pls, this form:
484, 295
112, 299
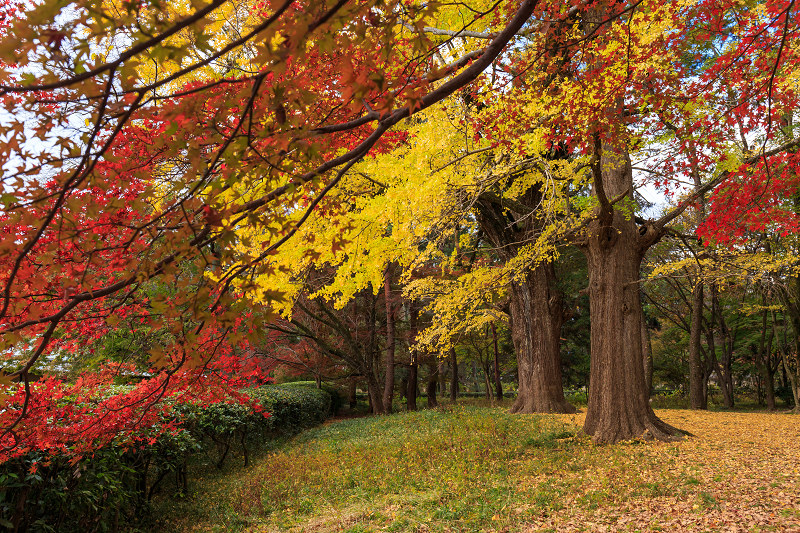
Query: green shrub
293, 407
46, 492
113, 486
578, 398
337, 396
668, 399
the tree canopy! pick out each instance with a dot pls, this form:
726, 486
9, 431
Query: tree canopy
178, 167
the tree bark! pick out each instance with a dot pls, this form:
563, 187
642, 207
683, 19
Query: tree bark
724, 369
791, 374
534, 306
433, 381
486, 380
698, 378
763, 359
618, 406
388, 387
351, 393
536, 318
373, 359
411, 390
375, 394
441, 370
647, 358
696, 372
453, 375
498, 385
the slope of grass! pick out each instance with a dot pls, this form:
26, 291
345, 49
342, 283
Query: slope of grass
467, 468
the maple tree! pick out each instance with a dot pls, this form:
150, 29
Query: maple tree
175, 141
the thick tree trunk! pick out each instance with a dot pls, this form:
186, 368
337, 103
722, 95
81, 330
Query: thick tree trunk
388, 387
453, 375
498, 385
535, 309
536, 317
696, 372
618, 406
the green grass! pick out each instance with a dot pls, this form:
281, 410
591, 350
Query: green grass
471, 468
457, 468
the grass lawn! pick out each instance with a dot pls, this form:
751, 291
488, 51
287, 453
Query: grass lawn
470, 468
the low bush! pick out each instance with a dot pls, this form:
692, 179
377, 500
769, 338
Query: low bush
113, 487
578, 398
668, 399
336, 394
294, 407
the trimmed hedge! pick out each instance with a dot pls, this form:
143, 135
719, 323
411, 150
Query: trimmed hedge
337, 398
113, 487
294, 407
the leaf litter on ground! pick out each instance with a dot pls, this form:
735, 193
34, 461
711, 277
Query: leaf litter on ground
471, 469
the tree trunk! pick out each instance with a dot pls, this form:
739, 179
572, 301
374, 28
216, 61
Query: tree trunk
769, 388
498, 385
791, 374
647, 358
696, 372
433, 381
372, 358
453, 375
351, 393
388, 387
698, 378
375, 395
724, 370
535, 309
441, 370
486, 381
536, 317
763, 358
618, 407
411, 390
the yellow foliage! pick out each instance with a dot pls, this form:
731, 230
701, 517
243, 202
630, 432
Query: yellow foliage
406, 207
721, 266
410, 206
